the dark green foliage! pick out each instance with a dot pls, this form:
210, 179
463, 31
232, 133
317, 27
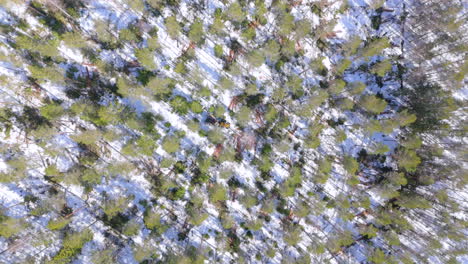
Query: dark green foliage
52, 111
217, 193
53, 20
10, 226
71, 246
177, 193
144, 76
408, 160
218, 51
180, 104
196, 33
430, 103
172, 27
373, 104
146, 58
196, 107
235, 13
171, 144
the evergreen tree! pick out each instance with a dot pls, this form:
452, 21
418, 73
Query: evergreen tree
234, 12
74, 40
196, 33
171, 144
243, 115
286, 24
146, 58
381, 68
255, 58
375, 47
272, 50
172, 27
180, 104
217, 27
373, 104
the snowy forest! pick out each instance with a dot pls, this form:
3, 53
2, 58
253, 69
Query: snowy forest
233, 131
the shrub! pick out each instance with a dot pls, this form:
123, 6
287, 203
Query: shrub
373, 104
357, 88
271, 113
405, 118
302, 210
153, 222
408, 159
131, 228
177, 193
58, 223
228, 154
340, 136
377, 256
217, 27
272, 50
91, 177
217, 193
113, 207
345, 104
315, 101
196, 107
295, 85
235, 13
292, 235
288, 48
142, 253
197, 217
216, 136
74, 40
87, 137
196, 31
255, 225
342, 66
375, 47
369, 231
137, 5
127, 35
337, 86
10, 226
171, 144
47, 47
286, 24
46, 73
103, 256
146, 58
227, 221
350, 164
351, 47
302, 28
146, 145
72, 245
172, 27
153, 43
161, 86
249, 34
265, 165
218, 51
249, 201
243, 116
381, 68
156, 3
180, 104
204, 162
225, 83
219, 110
